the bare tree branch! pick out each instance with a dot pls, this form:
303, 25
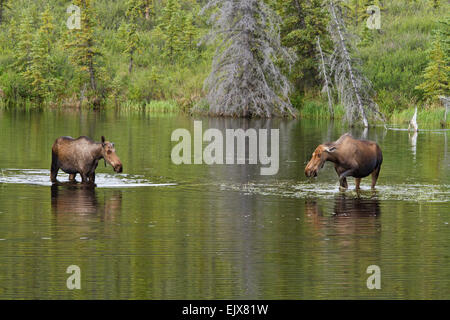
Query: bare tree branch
245, 80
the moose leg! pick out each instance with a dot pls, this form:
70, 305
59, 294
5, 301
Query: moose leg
92, 177
343, 183
84, 177
375, 174
72, 177
357, 183
54, 168
343, 178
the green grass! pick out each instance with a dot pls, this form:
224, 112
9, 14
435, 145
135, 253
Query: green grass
426, 118
314, 109
395, 59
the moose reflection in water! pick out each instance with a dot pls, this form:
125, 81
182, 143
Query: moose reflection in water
81, 156
347, 207
352, 219
77, 200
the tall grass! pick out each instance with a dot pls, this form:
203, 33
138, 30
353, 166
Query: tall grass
396, 58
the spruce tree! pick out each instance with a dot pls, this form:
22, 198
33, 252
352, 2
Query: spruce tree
140, 8
40, 68
128, 31
437, 73
24, 44
189, 33
85, 52
4, 4
303, 22
171, 26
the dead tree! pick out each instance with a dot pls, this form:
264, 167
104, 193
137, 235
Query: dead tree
413, 122
245, 81
326, 80
355, 90
446, 102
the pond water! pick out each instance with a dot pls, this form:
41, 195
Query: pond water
165, 231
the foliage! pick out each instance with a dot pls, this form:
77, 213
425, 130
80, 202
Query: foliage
83, 46
393, 58
41, 67
437, 73
302, 23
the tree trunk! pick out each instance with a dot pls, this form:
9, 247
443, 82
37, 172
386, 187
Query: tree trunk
147, 10
92, 75
325, 76
349, 67
1, 12
130, 66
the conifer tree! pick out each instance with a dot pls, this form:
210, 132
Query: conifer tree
24, 44
4, 4
437, 73
303, 22
128, 31
84, 50
189, 32
39, 71
140, 8
171, 26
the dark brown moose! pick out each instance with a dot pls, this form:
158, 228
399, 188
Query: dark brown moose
351, 158
81, 156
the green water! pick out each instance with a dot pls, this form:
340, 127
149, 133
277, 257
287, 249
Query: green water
162, 231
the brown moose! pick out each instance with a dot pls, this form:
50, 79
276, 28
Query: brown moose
81, 156
351, 158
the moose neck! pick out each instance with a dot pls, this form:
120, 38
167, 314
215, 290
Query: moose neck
98, 150
332, 156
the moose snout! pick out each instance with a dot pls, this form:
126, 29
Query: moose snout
118, 168
310, 173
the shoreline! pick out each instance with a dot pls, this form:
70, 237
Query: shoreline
431, 117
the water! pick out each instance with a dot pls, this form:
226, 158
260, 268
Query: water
162, 231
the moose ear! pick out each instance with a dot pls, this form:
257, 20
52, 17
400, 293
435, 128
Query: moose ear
330, 149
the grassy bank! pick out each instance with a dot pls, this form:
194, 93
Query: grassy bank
430, 117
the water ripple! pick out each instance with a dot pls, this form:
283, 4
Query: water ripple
406, 192
102, 180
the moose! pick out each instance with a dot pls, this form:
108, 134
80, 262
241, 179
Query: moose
81, 156
351, 158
